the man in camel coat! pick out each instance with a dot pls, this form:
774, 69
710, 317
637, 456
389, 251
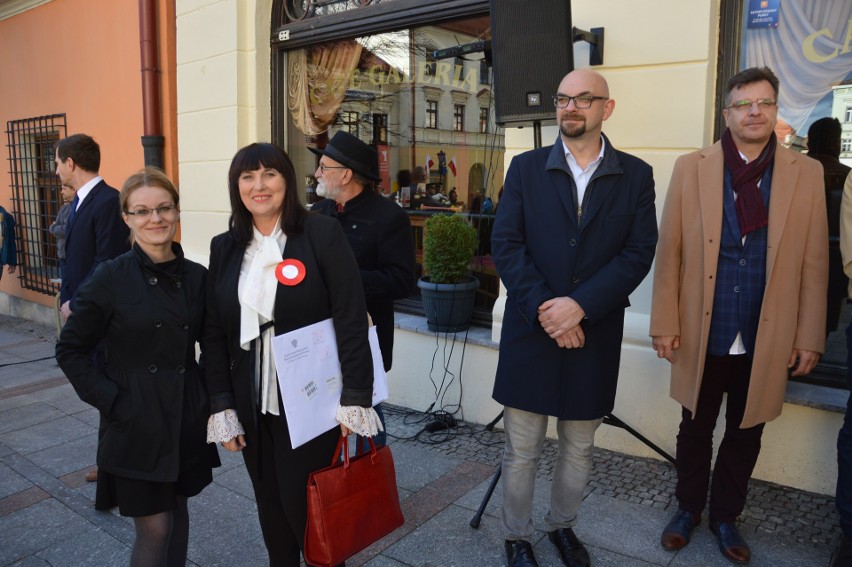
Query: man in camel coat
739, 298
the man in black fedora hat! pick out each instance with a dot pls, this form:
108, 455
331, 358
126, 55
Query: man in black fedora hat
378, 231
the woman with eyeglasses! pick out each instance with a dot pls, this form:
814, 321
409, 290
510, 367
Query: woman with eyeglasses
279, 268
147, 305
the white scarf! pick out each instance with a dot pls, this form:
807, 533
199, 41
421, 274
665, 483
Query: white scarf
257, 302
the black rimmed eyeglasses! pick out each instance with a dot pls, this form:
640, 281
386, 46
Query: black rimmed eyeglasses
580, 101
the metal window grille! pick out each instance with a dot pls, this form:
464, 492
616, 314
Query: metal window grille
35, 197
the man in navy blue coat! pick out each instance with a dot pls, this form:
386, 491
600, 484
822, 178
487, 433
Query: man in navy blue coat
574, 235
95, 231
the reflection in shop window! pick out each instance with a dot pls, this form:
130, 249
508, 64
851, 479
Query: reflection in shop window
458, 118
380, 129
388, 90
431, 113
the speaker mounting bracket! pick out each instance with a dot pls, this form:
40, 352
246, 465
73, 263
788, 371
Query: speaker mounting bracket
595, 39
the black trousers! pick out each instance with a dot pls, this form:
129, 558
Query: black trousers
737, 453
279, 475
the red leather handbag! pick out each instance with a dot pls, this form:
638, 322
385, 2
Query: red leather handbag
351, 504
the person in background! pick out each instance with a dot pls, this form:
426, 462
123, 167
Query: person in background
843, 500
152, 455
561, 343
378, 232
738, 301
60, 226
8, 245
824, 146
95, 232
247, 304
403, 187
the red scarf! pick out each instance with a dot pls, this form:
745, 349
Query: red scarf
751, 212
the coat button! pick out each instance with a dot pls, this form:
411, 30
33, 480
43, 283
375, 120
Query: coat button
158, 324
153, 281
153, 369
178, 285
736, 289
185, 327
575, 280
180, 369
572, 242
742, 262
232, 365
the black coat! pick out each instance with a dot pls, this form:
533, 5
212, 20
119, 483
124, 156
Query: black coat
541, 252
379, 232
330, 288
153, 403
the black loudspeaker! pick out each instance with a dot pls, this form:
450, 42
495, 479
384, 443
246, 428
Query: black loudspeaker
532, 48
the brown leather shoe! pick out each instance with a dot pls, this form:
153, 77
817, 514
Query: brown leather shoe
731, 542
92, 475
678, 531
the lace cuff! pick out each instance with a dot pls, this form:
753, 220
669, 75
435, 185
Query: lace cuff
362, 421
223, 426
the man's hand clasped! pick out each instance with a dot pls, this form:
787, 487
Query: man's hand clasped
560, 318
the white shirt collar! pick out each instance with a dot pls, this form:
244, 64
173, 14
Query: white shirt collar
86, 189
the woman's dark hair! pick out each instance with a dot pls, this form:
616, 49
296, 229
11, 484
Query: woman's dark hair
257, 156
749, 76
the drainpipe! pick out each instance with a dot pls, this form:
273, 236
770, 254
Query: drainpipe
152, 139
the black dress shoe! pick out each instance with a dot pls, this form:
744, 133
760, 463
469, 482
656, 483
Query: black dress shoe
520, 554
678, 531
843, 554
731, 542
571, 550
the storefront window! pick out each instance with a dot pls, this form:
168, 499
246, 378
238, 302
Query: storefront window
808, 45
391, 91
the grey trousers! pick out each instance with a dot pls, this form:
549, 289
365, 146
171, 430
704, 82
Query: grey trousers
525, 434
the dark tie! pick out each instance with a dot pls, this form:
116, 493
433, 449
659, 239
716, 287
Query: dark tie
74, 202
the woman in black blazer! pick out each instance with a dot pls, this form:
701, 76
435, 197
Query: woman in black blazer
247, 304
147, 306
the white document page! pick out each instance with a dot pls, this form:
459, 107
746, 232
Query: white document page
310, 378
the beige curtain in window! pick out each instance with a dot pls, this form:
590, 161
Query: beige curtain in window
318, 78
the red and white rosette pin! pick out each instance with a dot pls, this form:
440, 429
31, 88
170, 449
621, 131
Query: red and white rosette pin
290, 272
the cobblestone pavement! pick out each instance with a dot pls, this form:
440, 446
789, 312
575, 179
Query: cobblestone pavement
806, 517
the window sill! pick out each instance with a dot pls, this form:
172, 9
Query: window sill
480, 336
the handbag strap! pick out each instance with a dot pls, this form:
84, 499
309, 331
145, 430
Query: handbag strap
343, 445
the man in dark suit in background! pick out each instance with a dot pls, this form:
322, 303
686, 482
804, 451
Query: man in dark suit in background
574, 236
378, 232
95, 230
